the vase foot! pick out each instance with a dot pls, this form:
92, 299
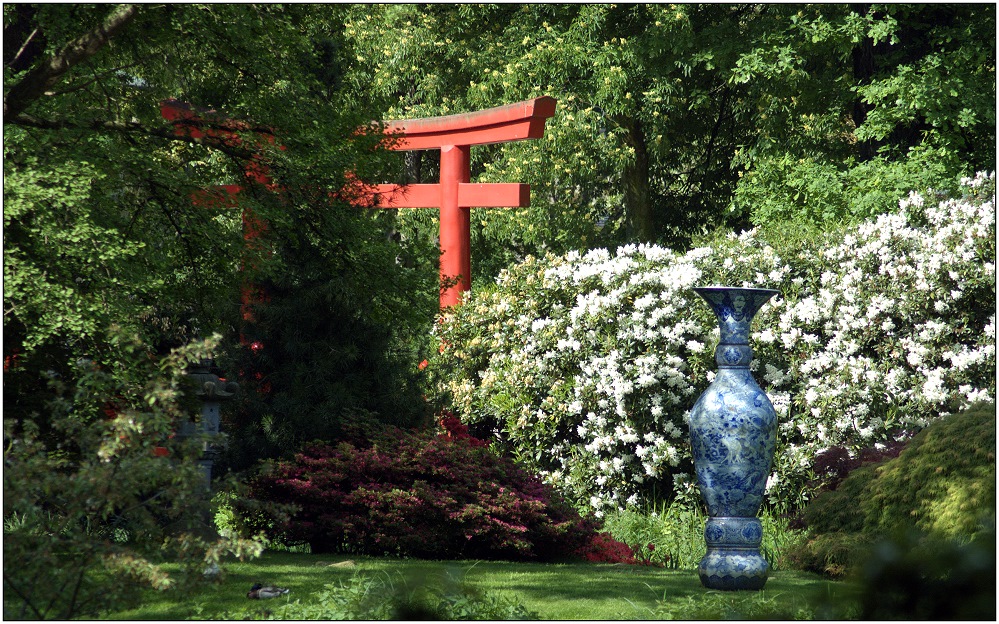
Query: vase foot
733, 569
733, 560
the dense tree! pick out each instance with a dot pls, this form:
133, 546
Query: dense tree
109, 265
99, 223
858, 104
675, 119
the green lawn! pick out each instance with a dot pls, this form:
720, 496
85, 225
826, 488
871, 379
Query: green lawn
552, 591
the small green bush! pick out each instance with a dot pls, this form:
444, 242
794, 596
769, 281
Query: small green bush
836, 510
941, 485
831, 554
673, 536
943, 482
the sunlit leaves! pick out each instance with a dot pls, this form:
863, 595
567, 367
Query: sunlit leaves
896, 97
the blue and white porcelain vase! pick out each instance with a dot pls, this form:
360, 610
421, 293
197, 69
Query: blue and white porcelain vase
733, 433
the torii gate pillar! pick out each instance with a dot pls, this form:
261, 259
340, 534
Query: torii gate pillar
455, 226
455, 195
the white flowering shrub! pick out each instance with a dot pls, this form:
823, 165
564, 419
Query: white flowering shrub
585, 366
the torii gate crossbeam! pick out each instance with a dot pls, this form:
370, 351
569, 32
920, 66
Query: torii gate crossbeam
455, 195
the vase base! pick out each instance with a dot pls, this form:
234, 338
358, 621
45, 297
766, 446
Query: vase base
733, 569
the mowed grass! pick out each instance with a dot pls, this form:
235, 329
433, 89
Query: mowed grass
552, 591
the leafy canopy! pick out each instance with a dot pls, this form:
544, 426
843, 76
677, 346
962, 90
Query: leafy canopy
103, 238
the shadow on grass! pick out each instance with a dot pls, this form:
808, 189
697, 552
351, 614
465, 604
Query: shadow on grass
554, 591
631, 592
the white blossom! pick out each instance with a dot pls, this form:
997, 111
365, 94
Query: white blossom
596, 373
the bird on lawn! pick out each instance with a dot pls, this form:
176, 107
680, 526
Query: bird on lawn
266, 591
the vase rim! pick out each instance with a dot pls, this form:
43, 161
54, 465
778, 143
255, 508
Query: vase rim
733, 288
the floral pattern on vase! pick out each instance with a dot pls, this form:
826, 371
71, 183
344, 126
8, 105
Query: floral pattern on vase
733, 434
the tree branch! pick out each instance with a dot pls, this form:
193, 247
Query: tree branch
45, 74
84, 85
26, 602
129, 127
24, 47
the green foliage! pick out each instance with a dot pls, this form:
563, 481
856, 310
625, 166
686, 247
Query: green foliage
942, 485
833, 510
673, 535
911, 577
810, 191
335, 340
856, 107
89, 510
673, 538
944, 479
101, 227
832, 554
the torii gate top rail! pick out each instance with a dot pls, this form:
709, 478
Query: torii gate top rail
513, 122
455, 195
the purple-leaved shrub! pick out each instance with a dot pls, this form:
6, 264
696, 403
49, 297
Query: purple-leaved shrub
421, 494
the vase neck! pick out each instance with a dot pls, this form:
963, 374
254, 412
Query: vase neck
733, 355
735, 309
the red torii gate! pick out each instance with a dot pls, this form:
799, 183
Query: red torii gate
455, 195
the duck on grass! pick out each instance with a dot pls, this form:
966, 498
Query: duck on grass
259, 591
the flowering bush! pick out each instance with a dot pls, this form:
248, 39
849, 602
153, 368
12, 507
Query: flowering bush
586, 365
416, 494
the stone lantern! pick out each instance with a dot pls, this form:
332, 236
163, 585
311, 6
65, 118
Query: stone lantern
212, 390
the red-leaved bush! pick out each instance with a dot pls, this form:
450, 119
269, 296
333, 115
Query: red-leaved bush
419, 494
602, 548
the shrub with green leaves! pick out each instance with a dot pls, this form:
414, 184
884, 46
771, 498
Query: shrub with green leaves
942, 485
585, 365
943, 482
90, 511
673, 535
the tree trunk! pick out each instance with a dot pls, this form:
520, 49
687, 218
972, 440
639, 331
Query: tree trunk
639, 218
863, 72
